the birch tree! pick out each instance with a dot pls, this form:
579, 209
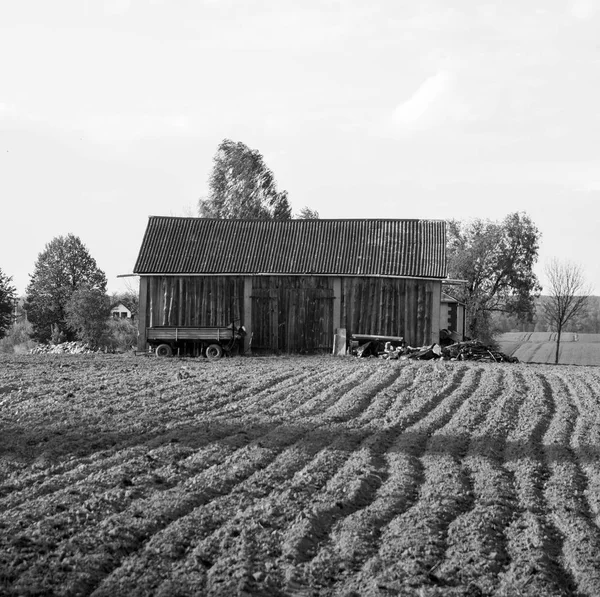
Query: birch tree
242, 186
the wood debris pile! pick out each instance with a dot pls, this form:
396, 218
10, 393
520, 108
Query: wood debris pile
62, 348
472, 350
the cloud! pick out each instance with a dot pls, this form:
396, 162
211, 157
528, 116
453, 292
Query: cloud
116, 7
6, 108
583, 9
413, 110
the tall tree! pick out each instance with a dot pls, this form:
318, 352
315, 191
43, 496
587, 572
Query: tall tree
7, 303
62, 268
242, 186
496, 260
568, 296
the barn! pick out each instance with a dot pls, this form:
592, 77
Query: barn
292, 283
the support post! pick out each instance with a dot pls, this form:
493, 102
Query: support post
247, 323
337, 303
436, 307
142, 314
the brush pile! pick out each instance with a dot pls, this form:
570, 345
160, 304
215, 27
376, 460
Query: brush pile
62, 348
474, 350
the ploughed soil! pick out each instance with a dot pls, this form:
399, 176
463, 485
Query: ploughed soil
314, 476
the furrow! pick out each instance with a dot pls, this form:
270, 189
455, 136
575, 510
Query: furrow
97, 549
355, 538
414, 540
265, 397
200, 541
345, 441
565, 493
533, 542
143, 527
63, 480
586, 439
476, 551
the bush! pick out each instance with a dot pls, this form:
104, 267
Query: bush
121, 334
17, 340
87, 314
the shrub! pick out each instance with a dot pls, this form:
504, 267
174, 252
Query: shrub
17, 340
121, 334
87, 314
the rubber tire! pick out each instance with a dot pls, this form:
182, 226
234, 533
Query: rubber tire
164, 350
214, 352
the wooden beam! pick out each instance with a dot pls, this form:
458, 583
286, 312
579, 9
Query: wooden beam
247, 322
142, 314
337, 303
377, 337
436, 305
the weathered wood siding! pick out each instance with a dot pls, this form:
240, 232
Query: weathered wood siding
292, 313
295, 313
391, 307
194, 300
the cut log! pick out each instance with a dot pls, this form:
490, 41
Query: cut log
375, 337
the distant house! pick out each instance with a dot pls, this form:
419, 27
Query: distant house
120, 311
292, 283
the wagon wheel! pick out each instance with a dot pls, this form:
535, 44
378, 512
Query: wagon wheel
214, 352
164, 350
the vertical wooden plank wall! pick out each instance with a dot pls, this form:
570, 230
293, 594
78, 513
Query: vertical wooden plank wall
193, 300
391, 307
294, 313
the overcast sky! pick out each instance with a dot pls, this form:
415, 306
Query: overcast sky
111, 111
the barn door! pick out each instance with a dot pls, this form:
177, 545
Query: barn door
265, 319
309, 322
292, 319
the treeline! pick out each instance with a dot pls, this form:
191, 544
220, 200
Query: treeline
65, 300
586, 323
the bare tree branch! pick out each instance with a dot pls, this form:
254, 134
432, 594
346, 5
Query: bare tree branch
568, 295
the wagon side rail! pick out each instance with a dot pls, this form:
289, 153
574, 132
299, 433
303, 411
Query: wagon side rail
174, 333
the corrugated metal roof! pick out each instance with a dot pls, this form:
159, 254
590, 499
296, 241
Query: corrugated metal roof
411, 248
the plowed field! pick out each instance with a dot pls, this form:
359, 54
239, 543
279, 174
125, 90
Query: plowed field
297, 476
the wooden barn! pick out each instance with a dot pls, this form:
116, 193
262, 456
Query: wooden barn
292, 283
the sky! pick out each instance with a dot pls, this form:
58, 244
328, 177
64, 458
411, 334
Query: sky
112, 111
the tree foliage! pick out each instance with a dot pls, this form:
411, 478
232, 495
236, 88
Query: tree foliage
18, 338
496, 259
306, 213
568, 296
87, 314
7, 301
62, 268
242, 186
